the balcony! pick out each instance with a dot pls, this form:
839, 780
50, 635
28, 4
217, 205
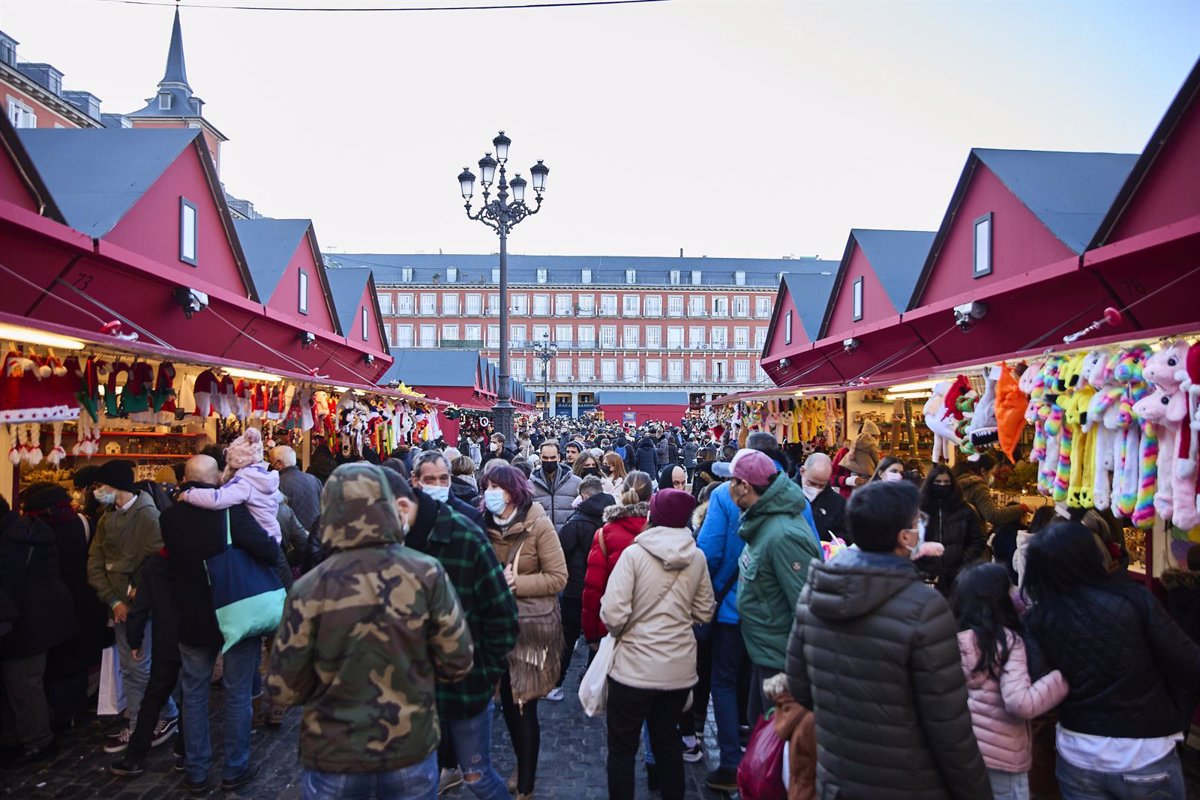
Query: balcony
463, 344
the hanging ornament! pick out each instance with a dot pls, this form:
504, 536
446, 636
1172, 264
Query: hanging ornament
57, 453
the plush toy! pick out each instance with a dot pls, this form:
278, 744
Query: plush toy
112, 398
1082, 472
320, 412
1102, 423
1166, 407
984, 428
940, 422
1011, 404
1131, 458
1032, 385
1187, 466
1051, 415
956, 391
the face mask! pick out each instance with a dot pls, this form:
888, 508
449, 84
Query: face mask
495, 448
105, 498
578, 499
439, 493
810, 492
493, 501
550, 467
940, 492
592, 471
891, 476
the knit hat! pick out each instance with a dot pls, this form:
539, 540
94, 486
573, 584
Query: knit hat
85, 476
671, 508
245, 450
117, 474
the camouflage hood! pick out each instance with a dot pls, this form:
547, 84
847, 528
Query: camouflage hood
358, 509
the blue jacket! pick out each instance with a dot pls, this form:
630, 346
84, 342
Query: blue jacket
719, 541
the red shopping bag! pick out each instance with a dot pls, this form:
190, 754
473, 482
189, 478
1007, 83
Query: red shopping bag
760, 775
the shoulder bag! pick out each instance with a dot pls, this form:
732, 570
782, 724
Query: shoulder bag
534, 662
247, 595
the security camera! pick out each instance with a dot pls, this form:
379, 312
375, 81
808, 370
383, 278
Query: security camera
191, 300
967, 313
850, 345
784, 363
307, 338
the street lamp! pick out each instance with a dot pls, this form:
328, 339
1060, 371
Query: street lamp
501, 216
545, 351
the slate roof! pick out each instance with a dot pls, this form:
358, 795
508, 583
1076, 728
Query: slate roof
638, 398
347, 287
175, 83
95, 176
896, 258
810, 292
269, 245
563, 271
1069, 192
11, 141
428, 367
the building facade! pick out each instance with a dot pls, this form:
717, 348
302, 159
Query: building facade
619, 323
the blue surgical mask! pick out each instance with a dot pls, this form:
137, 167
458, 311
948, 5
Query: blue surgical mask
439, 493
493, 500
105, 498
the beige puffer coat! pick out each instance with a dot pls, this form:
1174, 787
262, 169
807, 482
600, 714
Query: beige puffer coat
659, 650
1001, 709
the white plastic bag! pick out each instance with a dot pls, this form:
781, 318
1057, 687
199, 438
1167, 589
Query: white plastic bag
593, 689
112, 693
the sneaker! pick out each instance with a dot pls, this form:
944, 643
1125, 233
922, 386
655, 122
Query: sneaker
197, 787
721, 779
164, 730
250, 774
556, 694
126, 767
275, 715
180, 762
694, 753
449, 779
118, 741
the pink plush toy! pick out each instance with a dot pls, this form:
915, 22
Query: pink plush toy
1187, 467
1166, 408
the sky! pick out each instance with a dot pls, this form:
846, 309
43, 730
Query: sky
727, 129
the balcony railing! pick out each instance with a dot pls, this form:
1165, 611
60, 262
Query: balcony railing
698, 347
463, 344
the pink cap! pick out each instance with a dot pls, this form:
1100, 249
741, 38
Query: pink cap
752, 466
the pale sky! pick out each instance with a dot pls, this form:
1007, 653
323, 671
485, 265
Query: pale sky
753, 129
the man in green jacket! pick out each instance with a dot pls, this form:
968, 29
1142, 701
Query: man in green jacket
773, 567
363, 640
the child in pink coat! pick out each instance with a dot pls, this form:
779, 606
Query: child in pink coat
1000, 694
247, 480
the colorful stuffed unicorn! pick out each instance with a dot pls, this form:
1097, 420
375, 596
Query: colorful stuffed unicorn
1137, 469
1102, 422
1187, 466
1166, 407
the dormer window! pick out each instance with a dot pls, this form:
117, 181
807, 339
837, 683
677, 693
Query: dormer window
302, 305
695, 277
983, 246
857, 296
631, 276
495, 275
739, 277
542, 275
451, 274
585, 276
674, 277
406, 274
188, 238
164, 101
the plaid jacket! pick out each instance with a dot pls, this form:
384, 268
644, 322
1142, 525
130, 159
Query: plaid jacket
471, 564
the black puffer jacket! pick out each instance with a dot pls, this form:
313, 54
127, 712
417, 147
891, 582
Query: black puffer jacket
576, 538
956, 525
29, 577
1133, 672
645, 457
874, 653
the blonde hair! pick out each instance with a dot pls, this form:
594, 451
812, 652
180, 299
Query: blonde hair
636, 489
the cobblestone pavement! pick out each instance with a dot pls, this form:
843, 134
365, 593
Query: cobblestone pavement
571, 766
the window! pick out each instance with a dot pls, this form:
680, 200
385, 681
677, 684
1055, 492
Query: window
720, 338
608, 305
675, 338
562, 335
406, 274
493, 337
653, 337
404, 305
450, 336
587, 370
695, 277
495, 274
543, 275
585, 276
562, 369
450, 305
164, 101
541, 305
520, 304
631, 369
474, 335
741, 371
654, 306
541, 334
587, 305
675, 306
474, 305
675, 371
653, 370
741, 306
429, 336
696, 306
404, 336
983, 245
630, 337
739, 277
760, 338
188, 239
451, 274
631, 276
517, 367
857, 296
608, 370
539, 369
674, 275
762, 307
741, 338
695, 338
631, 304
587, 336
787, 328
563, 305
719, 373
366, 329
696, 371
720, 306
608, 336
517, 335
428, 305
302, 305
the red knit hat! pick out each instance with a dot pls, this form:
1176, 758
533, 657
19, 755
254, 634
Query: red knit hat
671, 508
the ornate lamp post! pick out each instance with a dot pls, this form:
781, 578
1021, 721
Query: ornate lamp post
545, 351
501, 216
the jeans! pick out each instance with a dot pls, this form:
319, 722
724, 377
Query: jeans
691, 722
26, 714
164, 675
472, 742
628, 709
728, 653
1009, 785
525, 733
418, 782
1162, 780
136, 674
241, 662
572, 623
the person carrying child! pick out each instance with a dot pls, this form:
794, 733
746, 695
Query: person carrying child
247, 480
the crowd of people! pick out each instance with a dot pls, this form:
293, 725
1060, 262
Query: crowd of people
900, 630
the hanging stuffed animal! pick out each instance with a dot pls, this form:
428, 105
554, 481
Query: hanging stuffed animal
1051, 414
983, 430
1187, 465
1102, 423
939, 420
1131, 447
1166, 407
1011, 404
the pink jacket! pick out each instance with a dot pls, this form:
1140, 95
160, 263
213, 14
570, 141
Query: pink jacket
1001, 709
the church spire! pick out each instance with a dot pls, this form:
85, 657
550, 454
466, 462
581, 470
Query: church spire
176, 72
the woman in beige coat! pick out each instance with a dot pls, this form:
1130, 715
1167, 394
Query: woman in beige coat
514, 521
658, 590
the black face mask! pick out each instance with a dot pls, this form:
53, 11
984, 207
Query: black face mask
550, 467
592, 471
940, 493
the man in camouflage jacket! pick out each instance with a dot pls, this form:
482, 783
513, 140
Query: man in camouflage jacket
363, 639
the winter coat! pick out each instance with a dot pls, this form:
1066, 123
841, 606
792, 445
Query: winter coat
1001, 709
976, 492
1018, 559
645, 457
123, 540
82, 650
577, 536
556, 495
874, 654
780, 545
958, 528
689, 455
702, 478
1133, 672
464, 490
255, 486
718, 539
662, 453
321, 464
796, 725
293, 543
303, 493
1183, 600
366, 635
622, 524
541, 570
829, 514
658, 651
863, 457
155, 601
29, 577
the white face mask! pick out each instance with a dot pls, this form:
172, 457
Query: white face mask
891, 476
105, 498
439, 493
810, 492
493, 500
